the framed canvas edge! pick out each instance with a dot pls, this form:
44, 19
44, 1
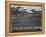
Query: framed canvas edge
7, 33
